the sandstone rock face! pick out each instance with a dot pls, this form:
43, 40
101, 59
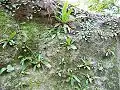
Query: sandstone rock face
24, 9
7, 56
96, 37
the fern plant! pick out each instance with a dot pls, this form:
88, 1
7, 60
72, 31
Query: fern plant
65, 14
64, 17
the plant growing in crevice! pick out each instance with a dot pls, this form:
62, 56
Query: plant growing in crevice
103, 5
33, 59
61, 68
39, 61
56, 32
64, 17
77, 79
89, 78
25, 61
73, 79
69, 43
9, 40
109, 53
86, 64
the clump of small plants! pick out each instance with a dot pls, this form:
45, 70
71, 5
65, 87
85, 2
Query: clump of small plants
32, 59
8, 41
64, 17
77, 77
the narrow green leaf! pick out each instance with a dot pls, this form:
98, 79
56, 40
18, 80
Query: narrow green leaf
73, 47
72, 82
76, 78
34, 68
88, 67
38, 65
2, 70
68, 41
12, 35
79, 66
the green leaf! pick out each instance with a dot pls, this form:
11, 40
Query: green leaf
23, 67
90, 80
80, 66
72, 81
12, 35
2, 70
58, 18
57, 24
40, 57
65, 28
59, 74
76, 78
64, 11
68, 79
34, 68
53, 36
101, 68
22, 62
64, 17
73, 47
38, 65
68, 41
68, 47
88, 67
10, 68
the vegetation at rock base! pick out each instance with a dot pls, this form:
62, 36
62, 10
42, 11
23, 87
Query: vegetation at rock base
77, 50
105, 5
